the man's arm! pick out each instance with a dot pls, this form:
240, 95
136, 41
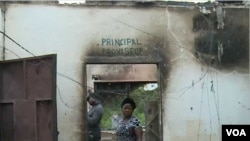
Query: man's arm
95, 116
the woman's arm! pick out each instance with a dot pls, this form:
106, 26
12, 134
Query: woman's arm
138, 133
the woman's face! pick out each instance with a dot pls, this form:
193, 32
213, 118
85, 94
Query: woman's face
127, 110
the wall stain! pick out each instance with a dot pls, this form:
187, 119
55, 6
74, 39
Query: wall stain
154, 49
233, 39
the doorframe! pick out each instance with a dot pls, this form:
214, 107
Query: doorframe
122, 60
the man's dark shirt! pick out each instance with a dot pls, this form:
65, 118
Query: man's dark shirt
94, 120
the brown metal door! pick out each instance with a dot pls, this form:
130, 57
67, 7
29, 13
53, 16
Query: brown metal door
28, 99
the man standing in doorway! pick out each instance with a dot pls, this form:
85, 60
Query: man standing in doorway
94, 116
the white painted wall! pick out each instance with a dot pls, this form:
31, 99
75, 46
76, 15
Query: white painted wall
1, 36
193, 109
203, 98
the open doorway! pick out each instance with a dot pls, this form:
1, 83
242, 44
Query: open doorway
118, 81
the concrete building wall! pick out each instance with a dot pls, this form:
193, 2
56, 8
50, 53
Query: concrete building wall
2, 29
198, 97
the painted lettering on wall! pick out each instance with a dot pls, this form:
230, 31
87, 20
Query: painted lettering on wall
120, 42
121, 46
122, 51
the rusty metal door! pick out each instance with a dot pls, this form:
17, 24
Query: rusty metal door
28, 99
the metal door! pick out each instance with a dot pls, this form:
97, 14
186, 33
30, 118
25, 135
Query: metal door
28, 99
152, 121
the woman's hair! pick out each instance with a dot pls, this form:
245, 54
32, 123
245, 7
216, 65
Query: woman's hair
128, 101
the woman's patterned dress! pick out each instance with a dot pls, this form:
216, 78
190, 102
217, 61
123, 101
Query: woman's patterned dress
126, 130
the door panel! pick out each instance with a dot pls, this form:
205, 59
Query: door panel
25, 121
28, 99
44, 120
7, 122
38, 72
152, 121
12, 80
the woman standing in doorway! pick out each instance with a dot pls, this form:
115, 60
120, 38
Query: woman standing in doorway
129, 127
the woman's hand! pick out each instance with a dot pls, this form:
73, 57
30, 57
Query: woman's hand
138, 133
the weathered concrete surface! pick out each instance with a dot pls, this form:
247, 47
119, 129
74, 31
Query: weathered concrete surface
201, 88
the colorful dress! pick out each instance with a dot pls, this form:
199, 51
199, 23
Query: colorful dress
126, 130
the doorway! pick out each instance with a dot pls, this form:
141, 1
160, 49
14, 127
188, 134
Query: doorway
118, 81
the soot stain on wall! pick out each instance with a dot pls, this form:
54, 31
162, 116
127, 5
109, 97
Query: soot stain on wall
157, 48
233, 39
154, 49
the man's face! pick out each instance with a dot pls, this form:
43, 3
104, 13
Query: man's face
91, 101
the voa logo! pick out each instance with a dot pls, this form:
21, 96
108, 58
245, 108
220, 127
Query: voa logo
236, 132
